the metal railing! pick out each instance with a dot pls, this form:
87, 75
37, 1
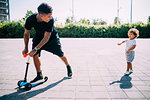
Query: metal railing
3, 12
4, 0
3, 6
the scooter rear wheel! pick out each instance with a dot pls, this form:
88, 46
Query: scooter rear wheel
28, 86
45, 78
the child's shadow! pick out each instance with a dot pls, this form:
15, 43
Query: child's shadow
125, 82
21, 94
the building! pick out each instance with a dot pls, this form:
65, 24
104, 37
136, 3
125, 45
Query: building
4, 10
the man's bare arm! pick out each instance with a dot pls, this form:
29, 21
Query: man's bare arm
44, 40
26, 38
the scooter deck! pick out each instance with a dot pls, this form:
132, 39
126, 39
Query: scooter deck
29, 85
41, 82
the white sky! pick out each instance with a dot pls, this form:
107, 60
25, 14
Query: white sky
88, 9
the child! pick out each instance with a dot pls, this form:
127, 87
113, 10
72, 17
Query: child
46, 38
130, 46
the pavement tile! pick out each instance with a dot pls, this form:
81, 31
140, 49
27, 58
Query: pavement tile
84, 95
98, 71
100, 95
141, 88
83, 89
118, 95
97, 83
146, 94
135, 95
98, 88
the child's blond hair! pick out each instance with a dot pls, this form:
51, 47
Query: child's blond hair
134, 31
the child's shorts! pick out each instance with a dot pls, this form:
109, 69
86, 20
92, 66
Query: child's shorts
130, 56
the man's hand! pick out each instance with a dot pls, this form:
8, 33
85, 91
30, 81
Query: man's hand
25, 51
32, 53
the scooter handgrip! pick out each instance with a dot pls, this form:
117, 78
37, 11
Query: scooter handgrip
25, 55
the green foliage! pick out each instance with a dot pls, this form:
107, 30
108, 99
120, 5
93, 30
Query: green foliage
148, 19
11, 30
16, 30
102, 31
0, 24
116, 21
99, 22
69, 20
84, 21
28, 13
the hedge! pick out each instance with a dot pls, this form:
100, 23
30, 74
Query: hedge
72, 30
102, 31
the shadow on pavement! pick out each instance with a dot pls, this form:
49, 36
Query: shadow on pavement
21, 94
125, 82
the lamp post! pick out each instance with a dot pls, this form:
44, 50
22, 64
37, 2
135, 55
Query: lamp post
131, 13
72, 10
118, 12
8, 10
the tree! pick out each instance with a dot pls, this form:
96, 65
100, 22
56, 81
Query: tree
68, 20
29, 13
99, 22
148, 19
116, 21
85, 21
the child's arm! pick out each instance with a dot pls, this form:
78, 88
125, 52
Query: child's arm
133, 47
121, 42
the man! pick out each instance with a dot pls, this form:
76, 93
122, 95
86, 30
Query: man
46, 38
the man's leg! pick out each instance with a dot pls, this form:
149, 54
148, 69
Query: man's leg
37, 64
64, 59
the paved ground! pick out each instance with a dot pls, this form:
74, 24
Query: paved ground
98, 68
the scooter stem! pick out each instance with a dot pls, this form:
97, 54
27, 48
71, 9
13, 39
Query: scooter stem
25, 78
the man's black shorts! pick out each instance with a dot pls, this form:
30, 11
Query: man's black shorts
53, 46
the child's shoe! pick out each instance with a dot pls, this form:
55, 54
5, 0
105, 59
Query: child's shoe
131, 71
69, 71
127, 73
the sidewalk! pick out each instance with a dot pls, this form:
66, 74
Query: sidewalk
98, 67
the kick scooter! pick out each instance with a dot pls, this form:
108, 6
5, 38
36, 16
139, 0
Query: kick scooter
24, 82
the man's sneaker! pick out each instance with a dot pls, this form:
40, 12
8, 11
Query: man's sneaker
69, 71
131, 71
37, 78
127, 73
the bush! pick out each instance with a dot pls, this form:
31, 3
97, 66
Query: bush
11, 30
102, 31
16, 30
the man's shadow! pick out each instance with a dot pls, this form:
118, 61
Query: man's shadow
21, 94
125, 82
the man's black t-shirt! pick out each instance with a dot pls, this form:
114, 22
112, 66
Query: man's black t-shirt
41, 28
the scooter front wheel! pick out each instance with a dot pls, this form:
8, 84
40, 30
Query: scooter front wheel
19, 82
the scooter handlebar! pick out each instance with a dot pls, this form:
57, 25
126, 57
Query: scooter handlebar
25, 55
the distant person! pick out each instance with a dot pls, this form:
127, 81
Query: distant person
46, 38
130, 48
